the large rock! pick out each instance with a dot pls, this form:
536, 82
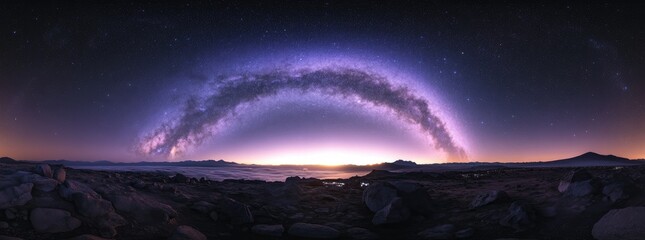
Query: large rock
578, 183
378, 195
71, 187
268, 230
486, 198
180, 178
51, 220
621, 224
100, 211
45, 184
143, 209
446, 231
187, 233
60, 174
15, 195
239, 213
418, 201
619, 187
521, 216
307, 230
44, 170
394, 212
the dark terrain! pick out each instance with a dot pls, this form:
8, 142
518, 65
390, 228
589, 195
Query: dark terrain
39, 201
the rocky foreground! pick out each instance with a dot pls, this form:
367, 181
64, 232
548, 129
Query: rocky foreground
53, 202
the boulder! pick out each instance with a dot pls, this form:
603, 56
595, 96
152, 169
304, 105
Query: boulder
187, 233
361, 234
51, 201
144, 210
45, 184
619, 187
202, 207
445, 231
180, 178
578, 183
71, 187
239, 213
307, 230
100, 212
378, 195
16, 195
418, 201
50, 220
489, 197
268, 230
521, 216
60, 174
44, 170
394, 212
621, 224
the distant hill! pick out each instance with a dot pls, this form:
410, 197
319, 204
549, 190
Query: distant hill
589, 159
7, 160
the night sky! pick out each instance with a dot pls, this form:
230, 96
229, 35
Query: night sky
321, 82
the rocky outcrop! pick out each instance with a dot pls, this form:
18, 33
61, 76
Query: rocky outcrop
307, 230
90, 204
621, 224
394, 212
71, 187
187, 233
143, 209
489, 197
378, 195
51, 220
520, 217
578, 183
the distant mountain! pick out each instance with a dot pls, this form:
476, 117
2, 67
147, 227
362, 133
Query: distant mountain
589, 159
405, 163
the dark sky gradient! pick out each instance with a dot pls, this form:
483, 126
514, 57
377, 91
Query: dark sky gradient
510, 81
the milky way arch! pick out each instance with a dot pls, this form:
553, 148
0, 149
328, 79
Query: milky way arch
197, 118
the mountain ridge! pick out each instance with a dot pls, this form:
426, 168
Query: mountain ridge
588, 159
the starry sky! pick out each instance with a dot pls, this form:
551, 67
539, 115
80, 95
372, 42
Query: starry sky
309, 82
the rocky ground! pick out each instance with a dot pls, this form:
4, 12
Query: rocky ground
52, 202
